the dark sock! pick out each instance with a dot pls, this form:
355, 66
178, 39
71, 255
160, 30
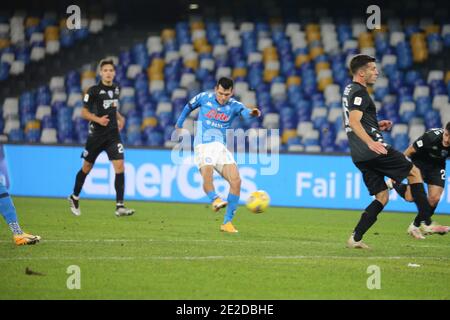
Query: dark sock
433, 209
119, 184
401, 189
79, 181
368, 218
421, 201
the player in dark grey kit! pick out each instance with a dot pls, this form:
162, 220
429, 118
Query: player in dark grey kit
372, 156
105, 122
428, 153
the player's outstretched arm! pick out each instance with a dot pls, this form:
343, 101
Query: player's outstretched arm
184, 114
250, 112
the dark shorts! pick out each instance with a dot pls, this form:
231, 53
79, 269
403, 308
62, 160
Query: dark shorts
432, 173
393, 165
95, 144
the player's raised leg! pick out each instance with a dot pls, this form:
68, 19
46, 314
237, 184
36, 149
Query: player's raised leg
8, 211
119, 184
230, 172
207, 172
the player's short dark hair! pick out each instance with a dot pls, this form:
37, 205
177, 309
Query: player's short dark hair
447, 126
105, 62
225, 83
359, 61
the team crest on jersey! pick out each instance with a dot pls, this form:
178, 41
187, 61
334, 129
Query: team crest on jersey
85, 153
444, 153
110, 94
116, 91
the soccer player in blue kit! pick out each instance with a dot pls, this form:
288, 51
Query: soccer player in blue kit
217, 111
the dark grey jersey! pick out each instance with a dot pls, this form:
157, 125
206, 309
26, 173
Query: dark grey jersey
429, 147
356, 97
103, 100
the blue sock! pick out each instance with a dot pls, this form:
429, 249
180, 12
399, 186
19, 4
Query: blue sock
8, 211
212, 195
233, 201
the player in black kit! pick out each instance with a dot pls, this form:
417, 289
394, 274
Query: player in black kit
372, 156
105, 122
428, 153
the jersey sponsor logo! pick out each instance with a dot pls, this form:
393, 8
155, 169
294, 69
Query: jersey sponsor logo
357, 101
110, 103
420, 143
213, 114
86, 98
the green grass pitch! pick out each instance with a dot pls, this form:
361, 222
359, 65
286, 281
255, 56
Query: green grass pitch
176, 251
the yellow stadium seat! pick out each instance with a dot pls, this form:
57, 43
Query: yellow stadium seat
324, 82
33, 124
312, 27
447, 76
31, 22
192, 63
288, 133
197, 25
51, 33
88, 74
167, 34
149, 122
239, 72
269, 75
432, 29
365, 40
316, 51
301, 59
312, 36
206, 48
198, 43
4, 43
155, 76
270, 54
322, 66
293, 80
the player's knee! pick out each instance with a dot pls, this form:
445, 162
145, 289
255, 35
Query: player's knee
119, 167
236, 183
383, 198
415, 172
434, 200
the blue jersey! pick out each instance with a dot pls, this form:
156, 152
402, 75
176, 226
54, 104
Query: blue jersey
213, 118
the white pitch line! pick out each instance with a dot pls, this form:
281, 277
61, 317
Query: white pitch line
412, 245
226, 258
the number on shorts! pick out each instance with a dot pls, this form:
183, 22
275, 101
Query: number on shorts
443, 174
120, 147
